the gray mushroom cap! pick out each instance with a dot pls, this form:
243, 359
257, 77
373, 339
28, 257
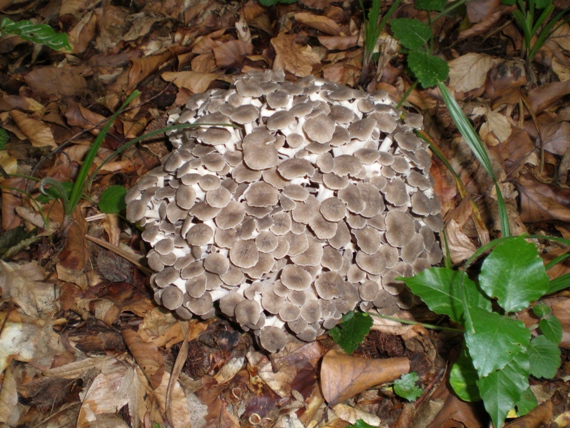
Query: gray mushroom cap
311, 203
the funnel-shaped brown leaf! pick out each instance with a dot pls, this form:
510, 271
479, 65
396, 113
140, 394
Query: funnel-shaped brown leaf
147, 356
344, 376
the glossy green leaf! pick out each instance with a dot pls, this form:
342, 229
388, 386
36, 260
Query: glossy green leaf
541, 310
526, 403
502, 389
544, 357
496, 339
551, 328
112, 200
411, 33
439, 288
428, 69
352, 330
514, 273
434, 5
463, 378
36, 33
406, 387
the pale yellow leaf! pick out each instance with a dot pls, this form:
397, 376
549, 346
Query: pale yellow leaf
498, 125
351, 415
562, 37
469, 71
561, 70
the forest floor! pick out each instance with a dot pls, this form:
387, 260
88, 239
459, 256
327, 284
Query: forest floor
82, 341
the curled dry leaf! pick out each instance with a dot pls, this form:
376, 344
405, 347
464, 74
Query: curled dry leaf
292, 57
192, 80
543, 97
460, 246
147, 356
344, 376
351, 415
232, 53
38, 132
542, 202
319, 22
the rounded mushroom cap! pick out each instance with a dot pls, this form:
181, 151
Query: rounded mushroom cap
309, 204
272, 339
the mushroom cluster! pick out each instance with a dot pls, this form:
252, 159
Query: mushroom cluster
291, 204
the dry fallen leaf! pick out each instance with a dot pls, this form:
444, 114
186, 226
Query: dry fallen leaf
9, 412
460, 246
542, 202
194, 81
469, 71
319, 22
147, 356
38, 132
292, 57
344, 376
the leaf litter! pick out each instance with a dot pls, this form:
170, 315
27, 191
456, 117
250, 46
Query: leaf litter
81, 341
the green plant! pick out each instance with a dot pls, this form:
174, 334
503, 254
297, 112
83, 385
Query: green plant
36, 33
534, 17
268, 3
406, 387
373, 27
500, 353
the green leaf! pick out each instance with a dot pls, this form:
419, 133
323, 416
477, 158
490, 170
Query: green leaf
463, 378
113, 200
3, 138
428, 69
352, 330
544, 357
514, 273
551, 328
51, 193
541, 310
436, 5
526, 403
502, 389
406, 388
439, 288
413, 34
495, 340
36, 33
360, 424
508, 2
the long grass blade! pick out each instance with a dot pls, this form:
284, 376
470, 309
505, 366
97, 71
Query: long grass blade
478, 149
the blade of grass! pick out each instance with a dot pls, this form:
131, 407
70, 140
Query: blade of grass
472, 139
81, 182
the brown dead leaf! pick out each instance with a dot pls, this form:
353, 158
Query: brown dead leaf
38, 132
77, 115
469, 71
179, 404
147, 356
542, 202
504, 82
192, 80
543, 97
292, 57
143, 67
23, 285
56, 82
484, 24
11, 201
11, 102
83, 32
344, 376
75, 254
340, 43
351, 415
561, 310
556, 137
460, 246
319, 22
232, 53
514, 151
28, 340
538, 417
110, 391
9, 412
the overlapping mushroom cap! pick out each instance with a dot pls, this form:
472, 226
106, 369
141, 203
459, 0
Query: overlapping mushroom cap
312, 204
